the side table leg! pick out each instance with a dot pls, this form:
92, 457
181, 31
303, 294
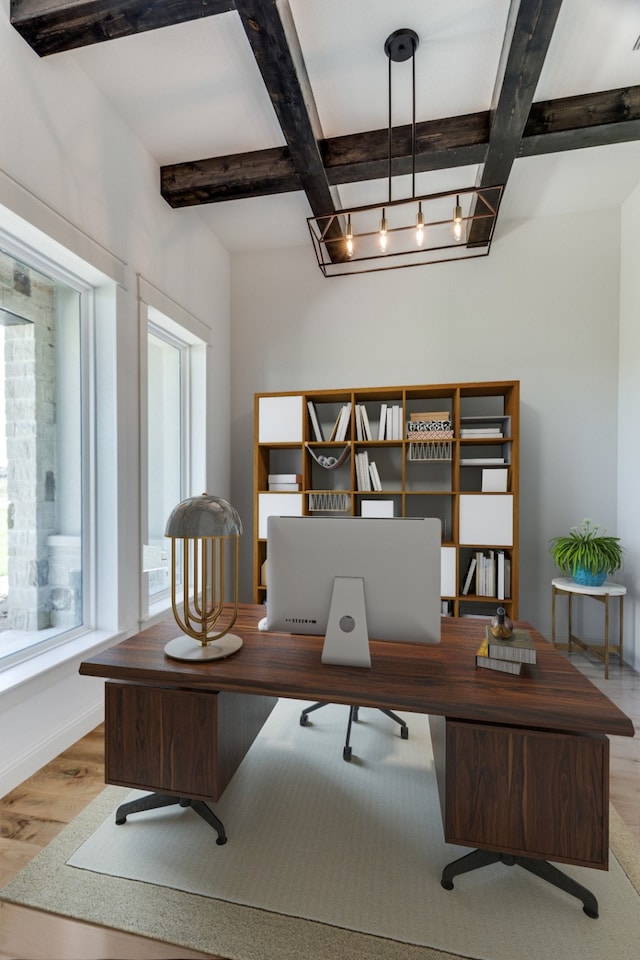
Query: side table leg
606, 636
553, 615
621, 615
569, 598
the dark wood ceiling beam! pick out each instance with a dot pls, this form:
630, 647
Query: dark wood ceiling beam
238, 176
440, 144
530, 27
588, 120
52, 26
569, 123
271, 33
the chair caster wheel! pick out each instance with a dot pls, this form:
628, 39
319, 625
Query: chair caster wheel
304, 720
404, 733
221, 841
346, 754
121, 821
447, 884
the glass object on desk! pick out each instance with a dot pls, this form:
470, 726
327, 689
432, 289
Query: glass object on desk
501, 626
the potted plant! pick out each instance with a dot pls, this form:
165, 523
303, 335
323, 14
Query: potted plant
586, 554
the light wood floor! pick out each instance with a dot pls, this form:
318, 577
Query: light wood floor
33, 813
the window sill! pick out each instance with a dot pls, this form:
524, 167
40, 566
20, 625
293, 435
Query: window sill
41, 665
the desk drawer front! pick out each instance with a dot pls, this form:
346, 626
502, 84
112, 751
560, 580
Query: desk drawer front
161, 740
536, 793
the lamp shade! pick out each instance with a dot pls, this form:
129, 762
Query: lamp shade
203, 516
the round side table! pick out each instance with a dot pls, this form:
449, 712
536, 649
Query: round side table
565, 586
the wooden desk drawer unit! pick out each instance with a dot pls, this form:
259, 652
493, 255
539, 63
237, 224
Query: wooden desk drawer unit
533, 792
183, 742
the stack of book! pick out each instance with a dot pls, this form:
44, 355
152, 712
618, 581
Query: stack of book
430, 426
341, 426
488, 575
284, 481
506, 655
363, 427
367, 476
390, 426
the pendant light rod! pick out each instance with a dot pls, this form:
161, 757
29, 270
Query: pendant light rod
399, 46
413, 123
390, 131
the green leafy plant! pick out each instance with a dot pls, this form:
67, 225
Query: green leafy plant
585, 547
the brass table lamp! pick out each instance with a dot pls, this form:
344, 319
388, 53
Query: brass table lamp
205, 525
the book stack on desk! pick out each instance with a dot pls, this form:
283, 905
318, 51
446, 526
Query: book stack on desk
506, 655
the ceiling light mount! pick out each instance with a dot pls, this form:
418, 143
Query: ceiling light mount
401, 45
417, 231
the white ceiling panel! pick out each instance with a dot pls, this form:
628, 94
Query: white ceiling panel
193, 91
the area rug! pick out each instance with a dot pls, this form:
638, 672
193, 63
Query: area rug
324, 859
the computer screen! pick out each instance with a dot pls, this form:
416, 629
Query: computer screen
354, 578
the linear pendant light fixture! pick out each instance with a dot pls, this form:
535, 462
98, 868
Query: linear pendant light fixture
412, 232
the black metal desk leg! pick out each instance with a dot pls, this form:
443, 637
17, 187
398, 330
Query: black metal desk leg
541, 868
154, 800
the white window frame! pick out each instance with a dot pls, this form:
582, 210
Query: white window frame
171, 323
56, 271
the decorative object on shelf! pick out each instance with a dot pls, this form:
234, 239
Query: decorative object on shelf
452, 225
429, 450
329, 462
586, 554
204, 524
501, 626
329, 502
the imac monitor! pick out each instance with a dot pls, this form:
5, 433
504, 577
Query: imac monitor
354, 578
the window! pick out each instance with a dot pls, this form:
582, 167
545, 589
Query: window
43, 361
174, 402
168, 369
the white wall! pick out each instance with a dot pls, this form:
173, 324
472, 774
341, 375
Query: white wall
71, 167
542, 309
629, 420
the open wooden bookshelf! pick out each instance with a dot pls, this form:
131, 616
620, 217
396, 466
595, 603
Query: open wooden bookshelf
466, 476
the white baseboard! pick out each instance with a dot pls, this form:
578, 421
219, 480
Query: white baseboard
22, 766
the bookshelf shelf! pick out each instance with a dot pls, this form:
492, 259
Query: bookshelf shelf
444, 450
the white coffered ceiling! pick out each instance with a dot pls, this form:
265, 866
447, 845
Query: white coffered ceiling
193, 90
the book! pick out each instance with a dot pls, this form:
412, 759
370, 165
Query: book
484, 659
518, 648
500, 575
274, 485
315, 423
383, 422
343, 422
469, 577
285, 478
366, 426
431, 415
362, 471
375, 476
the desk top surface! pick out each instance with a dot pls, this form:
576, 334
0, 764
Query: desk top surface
439, 678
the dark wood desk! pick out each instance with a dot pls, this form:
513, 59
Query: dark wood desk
522, 762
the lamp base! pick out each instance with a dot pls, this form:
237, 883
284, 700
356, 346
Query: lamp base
186, 648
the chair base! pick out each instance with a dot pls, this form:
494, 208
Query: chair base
353, 716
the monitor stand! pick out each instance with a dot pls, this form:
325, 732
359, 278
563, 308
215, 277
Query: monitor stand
347, 639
